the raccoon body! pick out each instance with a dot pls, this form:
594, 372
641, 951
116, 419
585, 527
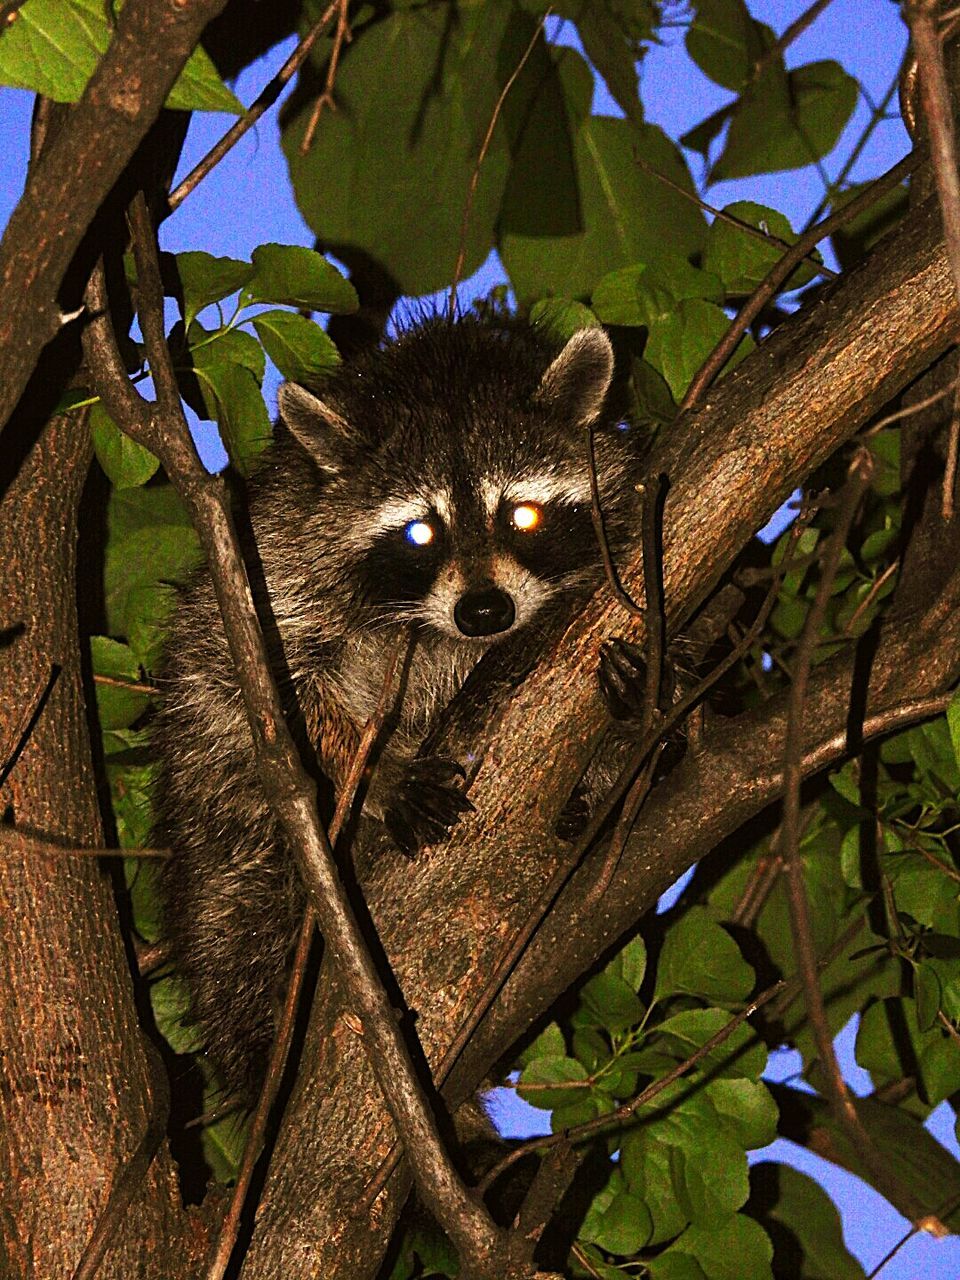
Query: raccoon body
434, 502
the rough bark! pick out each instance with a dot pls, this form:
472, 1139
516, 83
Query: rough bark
150, 46
444, 921
75, 1092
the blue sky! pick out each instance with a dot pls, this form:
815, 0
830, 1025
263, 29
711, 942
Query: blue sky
247, 201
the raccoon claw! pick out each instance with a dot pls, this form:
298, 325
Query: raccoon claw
427, 804
622, 674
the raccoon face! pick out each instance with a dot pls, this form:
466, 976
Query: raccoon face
477, 561
460, 483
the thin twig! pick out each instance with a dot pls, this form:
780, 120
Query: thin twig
263, 102
230, 1226
621, 832
135, 686
341, 36
946, 1210
626, 1111
948, 496
781, 270
31, 706
842, 1104
899, 414
481, 156
23, 841
599, 528
877, 113
721, 215
875, 588
795, 29
655, 631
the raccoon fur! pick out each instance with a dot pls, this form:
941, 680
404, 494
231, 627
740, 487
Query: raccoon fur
433, 499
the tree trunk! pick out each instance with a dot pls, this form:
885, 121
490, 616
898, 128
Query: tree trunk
76, 1098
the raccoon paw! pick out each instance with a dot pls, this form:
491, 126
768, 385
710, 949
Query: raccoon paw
622, 674
427, 803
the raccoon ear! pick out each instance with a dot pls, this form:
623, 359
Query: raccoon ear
578, 380
318, 427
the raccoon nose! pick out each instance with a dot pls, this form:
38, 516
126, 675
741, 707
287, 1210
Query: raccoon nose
484, 611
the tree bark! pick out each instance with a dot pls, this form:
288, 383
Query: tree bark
74, 1084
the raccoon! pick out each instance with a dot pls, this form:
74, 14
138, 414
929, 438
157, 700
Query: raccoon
433, 501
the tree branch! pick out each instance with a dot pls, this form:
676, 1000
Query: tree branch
151, 43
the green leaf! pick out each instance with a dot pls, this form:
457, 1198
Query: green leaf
633, 962
298, 277
805, 1210
612, 37
726, 43
131, 773
700, 958
541, 1073
142, 876
52, 47
856, 238
224, 346
232, 396
617, 1220
679, 343
548, 1044
388, 173
654, 401
610, 1002
581, 1107
741, 260
590, 1048
118, 706
149, 610
675, 1266
771, 131
709, 1172
206, 279
737, 1249
741, 1054
648, 1167
891, 1045
149, 541
170, 1001
299, 348
615, 213
643, 293
747, 1109
562, 317
126, 463
953, 726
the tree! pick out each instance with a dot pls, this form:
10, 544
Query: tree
809, 762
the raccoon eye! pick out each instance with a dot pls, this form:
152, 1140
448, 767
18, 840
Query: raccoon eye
526, 517
419, 533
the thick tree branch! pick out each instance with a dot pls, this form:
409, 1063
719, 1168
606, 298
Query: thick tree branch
151, 43
446, 922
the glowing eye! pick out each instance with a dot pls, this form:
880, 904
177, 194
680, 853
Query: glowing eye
419, 533
526, 517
